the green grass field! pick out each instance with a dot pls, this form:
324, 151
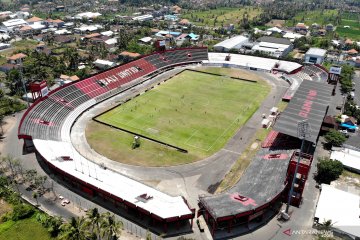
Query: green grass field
195, 111
27, 229
309, 17
352, 20
224, 16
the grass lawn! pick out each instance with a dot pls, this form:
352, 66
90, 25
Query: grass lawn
27, 229
4, 207
351, 178
194, 111
352, 20
24, 44
353, 32
317, 16
224, 16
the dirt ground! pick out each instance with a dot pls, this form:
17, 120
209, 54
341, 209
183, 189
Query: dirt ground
8, 124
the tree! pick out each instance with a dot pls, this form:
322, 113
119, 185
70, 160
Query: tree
93, 221
335, 138
13, 82
36, 196
328, 170
110, 227
73, 230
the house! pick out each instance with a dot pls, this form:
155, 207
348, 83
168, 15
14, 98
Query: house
275, 47
88, 28
184, 22
141, 18
34, 20
60, 8
103, 64
145, 40
329, 123
171, 18
25, 31
329, 27
292, 36
128, 56
176, 9
5, 14
274, 30
8, 67
62, 32
235, 43
57, 23
348, 42
315, 55
107, 33
339, 206
315, 26
17, 58
4, 46
275, 23
87, 15
350, 121
301, 27
20, 15
12, 24
92, 35
352, 52
42, 48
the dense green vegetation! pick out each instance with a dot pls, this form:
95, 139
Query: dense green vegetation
335, 138
328, 170
25, 222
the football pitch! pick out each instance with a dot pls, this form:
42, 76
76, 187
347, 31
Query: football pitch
195, 111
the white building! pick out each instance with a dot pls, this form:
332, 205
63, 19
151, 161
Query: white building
11, 24
146, 17
87, 15
342, 208
348, 157
107, 33
88, 28
104, 64
315, 55
232, 43
276, 47
292, 36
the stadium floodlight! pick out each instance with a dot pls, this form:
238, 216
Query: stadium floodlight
303, 132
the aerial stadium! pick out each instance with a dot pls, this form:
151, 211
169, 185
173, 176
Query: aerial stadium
178, 107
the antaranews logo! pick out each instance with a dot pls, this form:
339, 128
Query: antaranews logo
323, 233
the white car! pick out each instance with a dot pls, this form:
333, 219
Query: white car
64, 202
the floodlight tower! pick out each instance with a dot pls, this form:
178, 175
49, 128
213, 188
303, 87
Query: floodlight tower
303, 132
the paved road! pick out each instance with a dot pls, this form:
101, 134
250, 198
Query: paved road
356, 80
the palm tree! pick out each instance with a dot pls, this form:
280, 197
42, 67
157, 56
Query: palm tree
110, 227
93, 221
73, 230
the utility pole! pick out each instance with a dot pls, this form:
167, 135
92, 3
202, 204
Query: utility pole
23, 83
303, 132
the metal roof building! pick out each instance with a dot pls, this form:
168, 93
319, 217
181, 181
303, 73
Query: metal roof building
342, 208
309, 102
232, 43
